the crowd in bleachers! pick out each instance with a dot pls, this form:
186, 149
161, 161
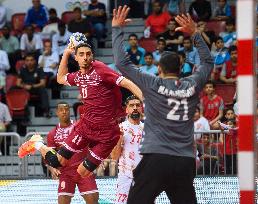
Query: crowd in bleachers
32, 43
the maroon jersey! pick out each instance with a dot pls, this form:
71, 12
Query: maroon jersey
211, 107
101, 96
55, 139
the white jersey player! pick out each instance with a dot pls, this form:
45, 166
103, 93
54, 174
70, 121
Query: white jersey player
127, 149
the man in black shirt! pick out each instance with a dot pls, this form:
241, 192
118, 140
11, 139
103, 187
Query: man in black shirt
33, 80
96, 13
81, 25
172, 37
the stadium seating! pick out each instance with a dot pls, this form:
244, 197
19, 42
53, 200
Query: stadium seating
67, 16
10, 81
216, 26
19, 64
227, 92
17, 107
149, 44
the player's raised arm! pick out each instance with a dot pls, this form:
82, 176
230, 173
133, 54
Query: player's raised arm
203, 72
126, 83
63, 69
121, 58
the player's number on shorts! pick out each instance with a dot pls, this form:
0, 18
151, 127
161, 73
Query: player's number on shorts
176, 104
84, 92
76, 140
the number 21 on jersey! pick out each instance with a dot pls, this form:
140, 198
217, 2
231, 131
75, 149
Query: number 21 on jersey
178, 105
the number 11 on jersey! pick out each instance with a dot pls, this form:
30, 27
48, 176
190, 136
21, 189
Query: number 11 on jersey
174, 114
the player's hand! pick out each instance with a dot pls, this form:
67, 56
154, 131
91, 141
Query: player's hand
120, 16
187, 25
54, 172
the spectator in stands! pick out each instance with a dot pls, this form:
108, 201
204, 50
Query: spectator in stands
229, 69
161, 45
135, 52
53, 18
60, 39
230, 114
220, 56
208, 154
208, 35
4, 67
3, 15
49, 60
30, 42
158, 20
190, 51
176, 7
173, 38
52, 25
231, 146
81, 25
200, 10
37, 15
33, 80
222, 11
186, 67
5, 119
229, 36
96, 13
149, 67
200, 124
10, 44
212, 105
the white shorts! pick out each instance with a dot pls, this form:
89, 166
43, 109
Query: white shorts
123, 187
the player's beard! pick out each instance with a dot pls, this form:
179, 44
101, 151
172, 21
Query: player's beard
135, 116
86, 64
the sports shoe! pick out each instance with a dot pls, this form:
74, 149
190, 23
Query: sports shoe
28, 147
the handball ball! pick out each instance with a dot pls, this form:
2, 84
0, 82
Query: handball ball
76, 39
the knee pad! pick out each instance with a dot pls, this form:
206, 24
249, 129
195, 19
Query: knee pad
90, 166
51, 159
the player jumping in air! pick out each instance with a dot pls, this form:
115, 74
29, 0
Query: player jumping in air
98, 127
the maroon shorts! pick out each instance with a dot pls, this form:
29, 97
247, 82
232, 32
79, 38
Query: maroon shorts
100, 140
67, 184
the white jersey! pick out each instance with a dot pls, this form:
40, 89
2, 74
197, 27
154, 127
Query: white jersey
130, 156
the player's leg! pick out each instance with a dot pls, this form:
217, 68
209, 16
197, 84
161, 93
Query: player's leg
180, 188
148, 180
123, 186
88, 189
66, 189
36, 143
64, 199
100, 150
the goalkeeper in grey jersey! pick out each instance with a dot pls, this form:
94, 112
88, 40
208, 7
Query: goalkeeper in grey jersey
168, 162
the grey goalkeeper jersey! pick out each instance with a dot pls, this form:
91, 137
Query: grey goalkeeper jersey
169, 103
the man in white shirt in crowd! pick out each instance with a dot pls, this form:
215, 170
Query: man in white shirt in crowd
200, 124
5, 119
60, 39
49, 60
4, 66
30, 42
127, 147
